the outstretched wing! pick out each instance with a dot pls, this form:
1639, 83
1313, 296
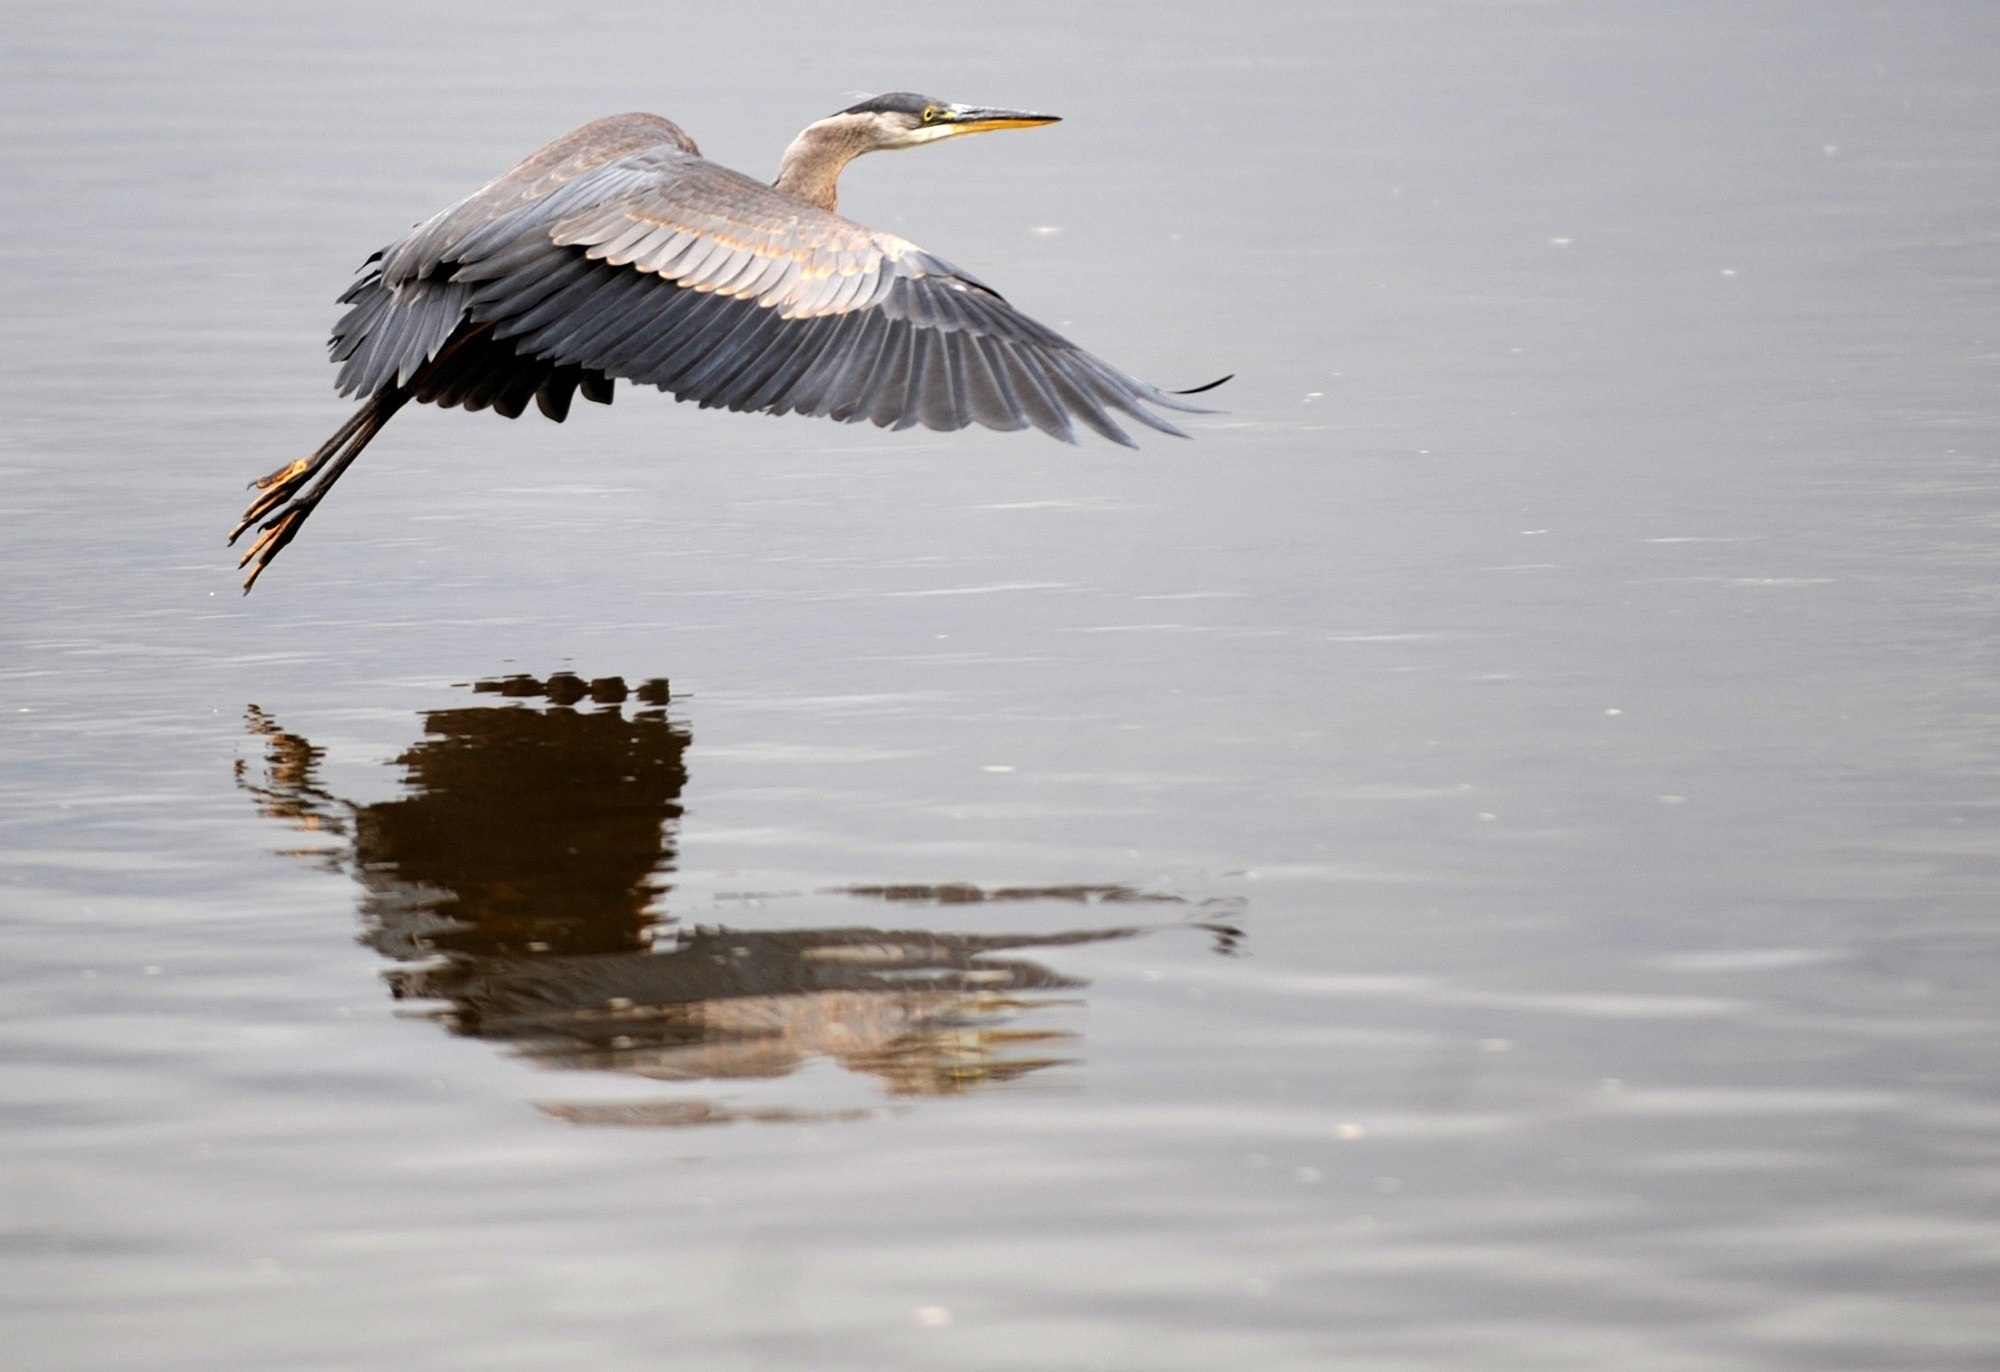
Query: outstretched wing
669, 270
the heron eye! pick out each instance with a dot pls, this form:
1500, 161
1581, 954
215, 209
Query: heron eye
930, 114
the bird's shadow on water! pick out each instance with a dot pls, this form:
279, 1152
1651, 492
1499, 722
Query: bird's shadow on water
518, 886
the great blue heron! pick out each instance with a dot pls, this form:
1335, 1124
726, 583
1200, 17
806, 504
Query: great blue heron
619, 251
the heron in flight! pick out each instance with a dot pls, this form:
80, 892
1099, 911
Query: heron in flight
619, 251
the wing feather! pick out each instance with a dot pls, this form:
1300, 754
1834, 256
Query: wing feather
682, 346
784, 354
508, 297
579, 331
993, 402
884, 390
735, 341
575, 292
821, 342
908, 403
554, 396
1038, 397
658, 330
1080, 402
622, 248
945, 401
846, 396
670, 244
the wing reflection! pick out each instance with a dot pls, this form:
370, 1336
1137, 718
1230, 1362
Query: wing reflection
517, 884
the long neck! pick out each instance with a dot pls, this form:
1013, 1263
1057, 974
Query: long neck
811, 166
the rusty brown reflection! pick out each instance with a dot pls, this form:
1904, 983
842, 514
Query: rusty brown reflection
517, 884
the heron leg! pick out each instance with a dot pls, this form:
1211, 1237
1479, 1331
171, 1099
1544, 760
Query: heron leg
282, 484
288, 496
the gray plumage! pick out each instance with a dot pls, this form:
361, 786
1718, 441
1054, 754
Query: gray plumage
617, 251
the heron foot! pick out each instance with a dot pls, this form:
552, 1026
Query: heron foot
288, 495
284, 473
275, 489
277, 531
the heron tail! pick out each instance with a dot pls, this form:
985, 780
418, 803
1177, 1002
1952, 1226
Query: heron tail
288, 496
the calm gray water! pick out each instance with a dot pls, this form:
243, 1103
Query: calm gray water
1483, 859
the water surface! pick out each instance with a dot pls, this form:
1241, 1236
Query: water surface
1482, 859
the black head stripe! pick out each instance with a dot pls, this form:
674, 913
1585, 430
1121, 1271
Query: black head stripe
895, 102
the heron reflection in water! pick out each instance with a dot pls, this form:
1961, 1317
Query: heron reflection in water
619, 251
516, 883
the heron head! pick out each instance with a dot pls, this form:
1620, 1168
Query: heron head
903, 119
